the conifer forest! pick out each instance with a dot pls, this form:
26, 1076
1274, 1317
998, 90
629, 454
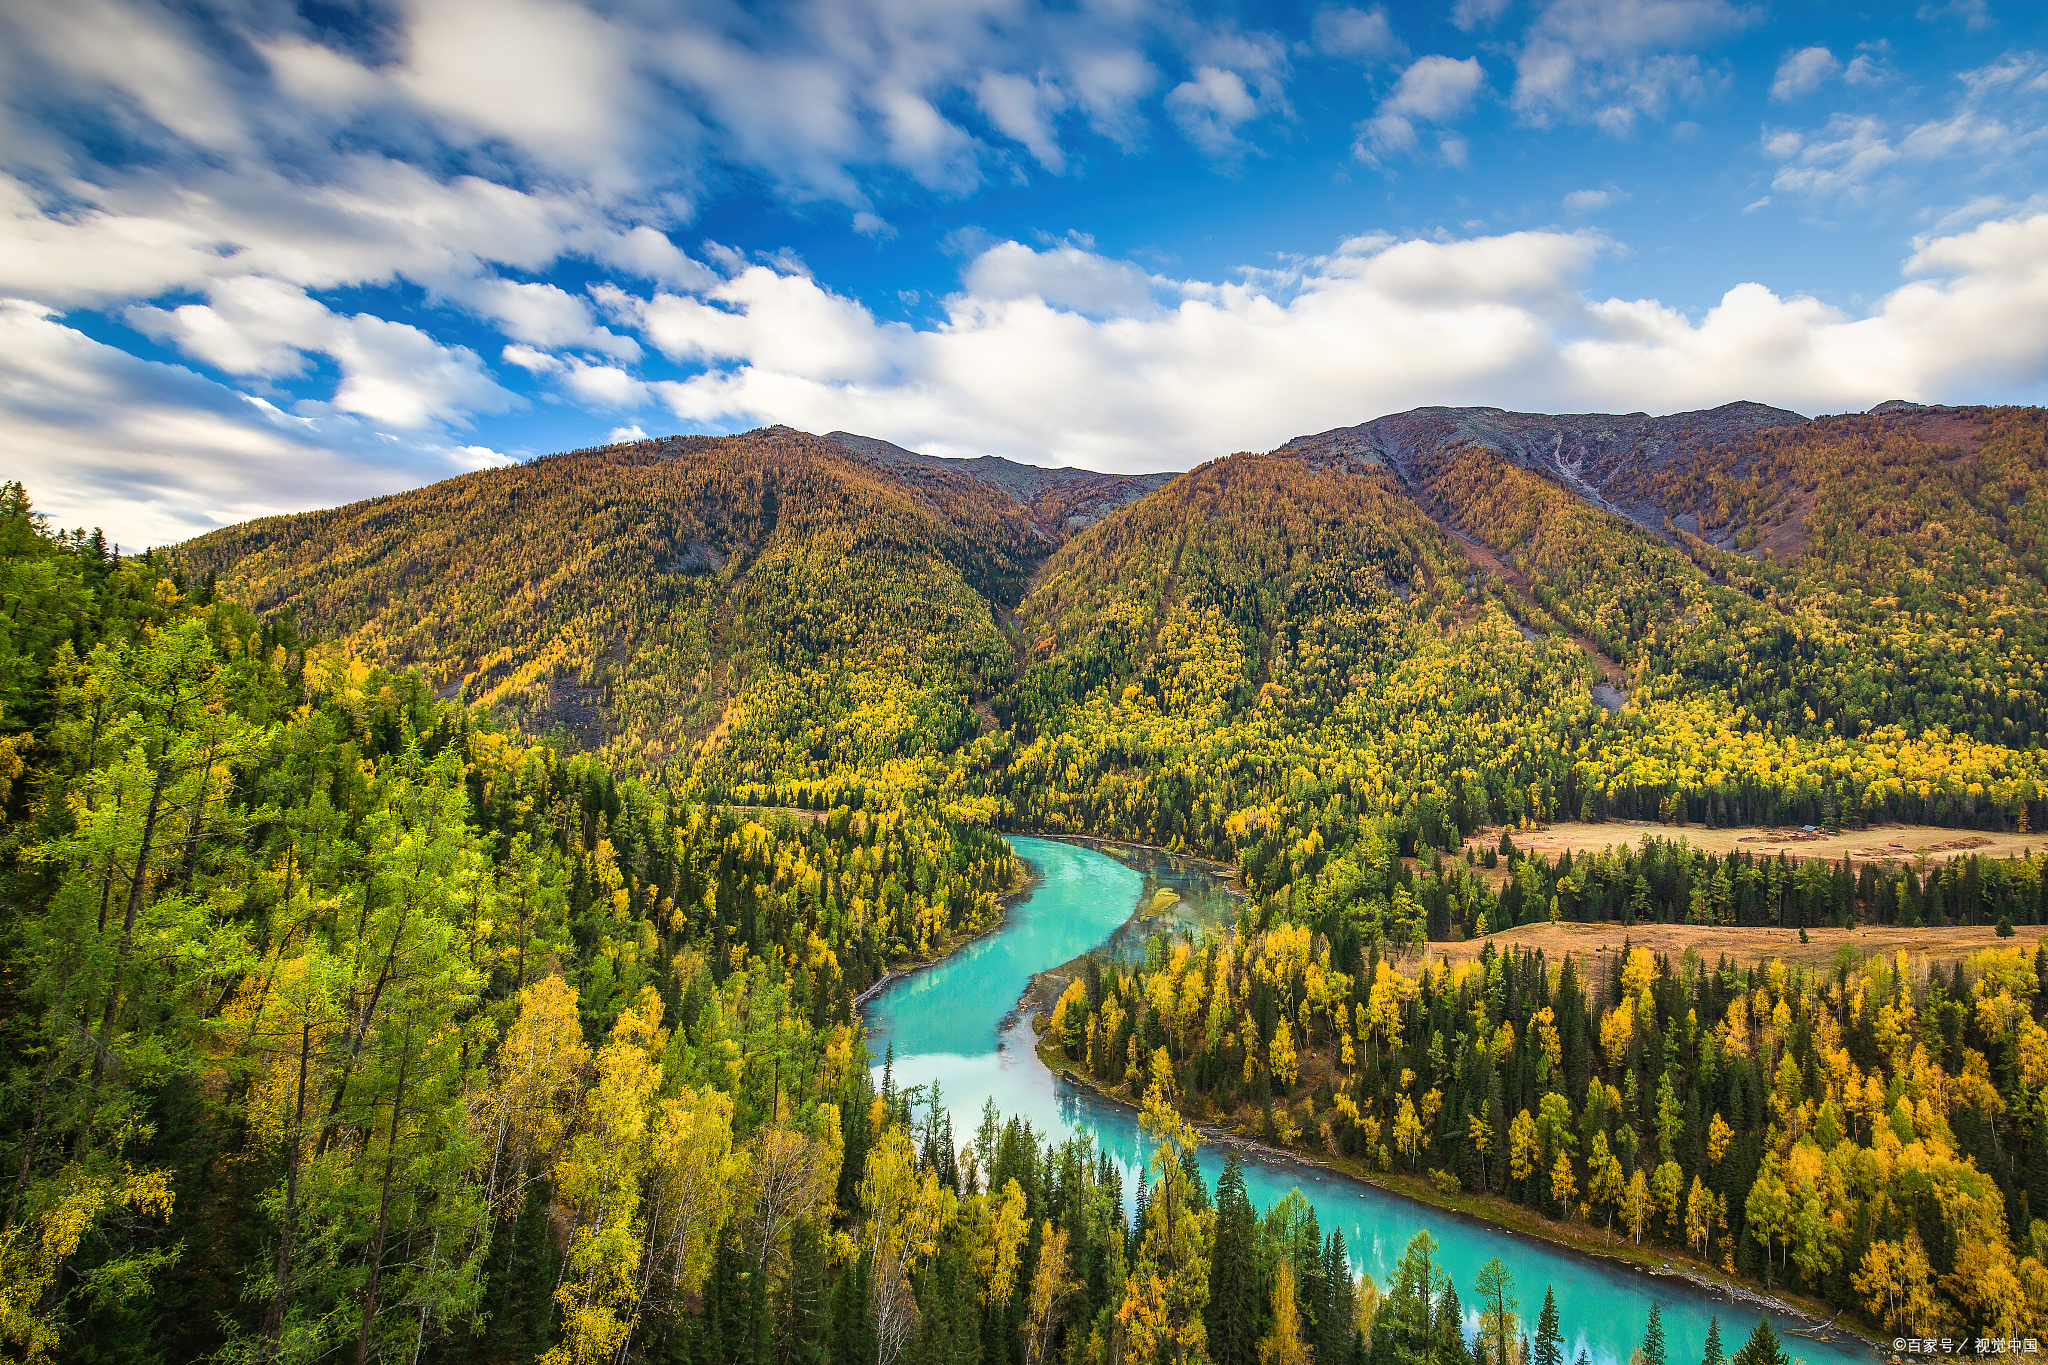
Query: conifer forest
437, 928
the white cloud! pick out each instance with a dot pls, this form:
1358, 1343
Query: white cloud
1066, 276
1362, 33
1472, 14
873, 225
1997, 124
1974, 14
1378, 325
483, 142
1803, 72
1593, 201
391, 372
156, 453
1869, 67
604, 386
1210, 107
1841, 160
1610, 62
1435, 89
1238, 77
543, 315
1024, 109
620, 435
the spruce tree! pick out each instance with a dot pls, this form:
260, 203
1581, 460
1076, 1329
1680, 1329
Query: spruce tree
1713, 1354
1448, 1328
1762, 1348
1549, 1342
1653, 1337
1234, 1300
1343, 1300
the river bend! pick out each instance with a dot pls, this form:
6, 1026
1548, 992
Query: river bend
957, 1023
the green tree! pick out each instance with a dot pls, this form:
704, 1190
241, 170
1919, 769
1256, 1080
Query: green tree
1652, 1350
1496, 1306
1549, 1341
1762, 1348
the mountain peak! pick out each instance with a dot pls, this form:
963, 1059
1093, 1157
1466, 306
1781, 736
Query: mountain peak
1590, 453
1061, 499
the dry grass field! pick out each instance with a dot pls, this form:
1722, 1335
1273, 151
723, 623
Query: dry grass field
1744, 946
1879, 843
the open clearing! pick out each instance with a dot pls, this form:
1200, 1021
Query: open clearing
1743, 945
1879, 843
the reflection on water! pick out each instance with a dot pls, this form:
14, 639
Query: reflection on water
956, 1025
1178, 897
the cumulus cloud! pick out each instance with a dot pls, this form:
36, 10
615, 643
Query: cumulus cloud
1803, 72
1435, 89
1059, 355
1238, 77
1067, 276
157, 453
391, 372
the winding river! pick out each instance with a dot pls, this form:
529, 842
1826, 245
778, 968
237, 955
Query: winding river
957, 1024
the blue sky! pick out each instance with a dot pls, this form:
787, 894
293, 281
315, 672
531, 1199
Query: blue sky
260, 258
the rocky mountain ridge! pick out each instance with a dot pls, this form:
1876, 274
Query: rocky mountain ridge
1591, 454
1060, 499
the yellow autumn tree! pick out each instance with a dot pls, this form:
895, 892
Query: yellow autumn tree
1283, 1345
1281, 1054
696, 1177
598, 1190
1051, 1285
1169, 1281
997, 1228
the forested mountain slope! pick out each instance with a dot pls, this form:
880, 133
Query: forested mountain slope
339, 1024
1427, 619
762, 604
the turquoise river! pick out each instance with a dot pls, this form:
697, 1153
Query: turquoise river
957, 1024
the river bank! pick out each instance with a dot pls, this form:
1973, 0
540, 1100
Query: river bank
1491, 1211
1501, 1215
964, 1025
1004, 904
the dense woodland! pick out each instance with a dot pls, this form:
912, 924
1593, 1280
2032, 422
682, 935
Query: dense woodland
434, 926
1872, 1135
343, 1024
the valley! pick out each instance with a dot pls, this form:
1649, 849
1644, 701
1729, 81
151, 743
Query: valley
465, 895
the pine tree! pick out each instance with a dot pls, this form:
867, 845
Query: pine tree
1233, 1272
1549, 1342
1653, 1337
1762, 1348
1713, 1354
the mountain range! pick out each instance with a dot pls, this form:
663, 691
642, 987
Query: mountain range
777, 607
